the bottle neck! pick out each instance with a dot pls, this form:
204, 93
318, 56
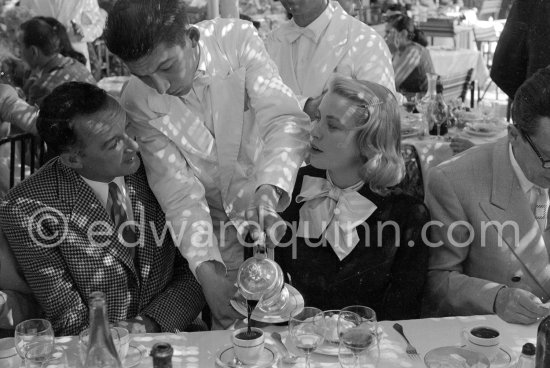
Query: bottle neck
101, 348
432, 84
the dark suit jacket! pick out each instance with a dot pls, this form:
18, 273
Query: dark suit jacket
376, 273
64, 270
523, 45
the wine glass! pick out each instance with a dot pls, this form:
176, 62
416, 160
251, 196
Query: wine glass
422, 102
352, 358
357, 328
307, 330
33, 332
43, 355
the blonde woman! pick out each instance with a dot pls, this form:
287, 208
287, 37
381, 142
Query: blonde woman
351, 239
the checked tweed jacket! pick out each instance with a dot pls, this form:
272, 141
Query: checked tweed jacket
59, 207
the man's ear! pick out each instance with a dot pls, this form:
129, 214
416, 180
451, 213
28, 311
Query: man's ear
71, 159
194, 35
513, 133
35, 52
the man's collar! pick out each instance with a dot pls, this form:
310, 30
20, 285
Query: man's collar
201, 66
526, 184
319, 25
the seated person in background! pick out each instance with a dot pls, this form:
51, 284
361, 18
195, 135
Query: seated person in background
39, 46
16, 111
16, 301
490, 237
344, 198
95, 185
65, 46
411, 60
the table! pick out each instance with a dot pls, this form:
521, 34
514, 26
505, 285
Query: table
452, 61
432, 152
199, 349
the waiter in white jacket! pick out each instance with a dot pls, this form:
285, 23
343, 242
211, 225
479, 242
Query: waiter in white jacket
220, 134
322, 39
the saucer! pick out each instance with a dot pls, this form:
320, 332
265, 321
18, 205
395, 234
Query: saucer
457, 355
327, 348
409, 132
134, 356
481, 132
227, 354
503, 358
295, 301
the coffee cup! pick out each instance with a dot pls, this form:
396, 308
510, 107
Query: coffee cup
483, 339
248, 347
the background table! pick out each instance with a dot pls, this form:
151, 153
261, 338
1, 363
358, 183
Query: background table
432, 152
449, 61
199, 349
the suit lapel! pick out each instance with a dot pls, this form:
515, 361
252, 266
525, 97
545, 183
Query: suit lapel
228, 96
137, 189
88, 215
509, 208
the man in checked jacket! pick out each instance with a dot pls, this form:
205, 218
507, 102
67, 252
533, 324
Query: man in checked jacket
87, 221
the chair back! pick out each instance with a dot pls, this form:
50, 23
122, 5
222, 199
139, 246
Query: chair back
485, 34
436, 27
490, 8
21, 155
108, 64
456, 85
413, 183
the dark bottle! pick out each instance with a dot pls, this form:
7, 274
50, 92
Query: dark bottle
542, 359
101, 348
527, 357
439, 111
162, 355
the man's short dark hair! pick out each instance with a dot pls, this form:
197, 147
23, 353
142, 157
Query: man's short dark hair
532, 101
136, 27
37, 32
67, 101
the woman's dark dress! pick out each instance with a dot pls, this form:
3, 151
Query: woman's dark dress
376, 273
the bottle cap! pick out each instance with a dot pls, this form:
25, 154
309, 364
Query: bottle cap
528, 349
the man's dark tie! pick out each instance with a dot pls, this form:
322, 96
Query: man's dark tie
116, 207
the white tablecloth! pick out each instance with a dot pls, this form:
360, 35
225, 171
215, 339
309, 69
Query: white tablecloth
448, 61
199, 349
432, 152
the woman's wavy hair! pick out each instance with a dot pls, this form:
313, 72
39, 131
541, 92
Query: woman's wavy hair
402, 22
378, 126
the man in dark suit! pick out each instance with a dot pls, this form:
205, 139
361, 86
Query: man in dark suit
522, 47
88, 221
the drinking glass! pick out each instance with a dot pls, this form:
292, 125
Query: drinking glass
307, 330
351, 358
44, 356
359, 339
422, 102
33, 332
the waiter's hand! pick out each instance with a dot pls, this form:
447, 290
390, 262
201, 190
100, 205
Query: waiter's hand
262, 216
